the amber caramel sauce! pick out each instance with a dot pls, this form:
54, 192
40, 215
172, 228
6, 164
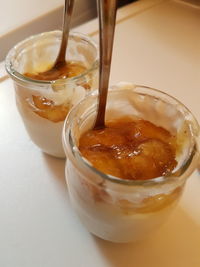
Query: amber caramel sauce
68, 70
46, 108
151, 204
148, 204
130, 149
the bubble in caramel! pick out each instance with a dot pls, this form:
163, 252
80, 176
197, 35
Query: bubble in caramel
130, 149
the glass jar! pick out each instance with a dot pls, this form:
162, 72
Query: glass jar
43, 105
122, 210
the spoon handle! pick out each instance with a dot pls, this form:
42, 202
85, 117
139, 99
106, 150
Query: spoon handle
107, 17
68, 8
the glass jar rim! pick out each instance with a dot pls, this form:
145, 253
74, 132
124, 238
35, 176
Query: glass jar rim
21, 78
83, 162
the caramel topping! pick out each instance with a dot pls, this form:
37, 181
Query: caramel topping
68, 70
151, 204
135, 150
47, 109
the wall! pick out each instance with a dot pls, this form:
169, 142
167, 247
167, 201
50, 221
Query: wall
22, 18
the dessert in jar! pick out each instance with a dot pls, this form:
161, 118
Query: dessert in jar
44, 101
126, 179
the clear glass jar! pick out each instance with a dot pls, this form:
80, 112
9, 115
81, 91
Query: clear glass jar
43, 105
121, 210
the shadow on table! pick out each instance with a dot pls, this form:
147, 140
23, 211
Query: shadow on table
56, 167
176, 244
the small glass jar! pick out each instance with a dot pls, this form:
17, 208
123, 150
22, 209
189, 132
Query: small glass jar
43, 105
122, 210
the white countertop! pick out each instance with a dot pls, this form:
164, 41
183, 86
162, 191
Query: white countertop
156, 46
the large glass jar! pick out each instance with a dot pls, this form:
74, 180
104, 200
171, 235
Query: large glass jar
122, 210
43, 105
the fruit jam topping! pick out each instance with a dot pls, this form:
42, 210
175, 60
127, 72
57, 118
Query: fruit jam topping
135, 150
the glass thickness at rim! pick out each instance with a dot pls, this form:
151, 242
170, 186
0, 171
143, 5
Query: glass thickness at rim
19, 77
83, 162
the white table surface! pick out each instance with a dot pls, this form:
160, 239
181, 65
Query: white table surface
156, 46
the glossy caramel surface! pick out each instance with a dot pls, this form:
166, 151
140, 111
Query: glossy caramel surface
47, 109
135, 150
68, 70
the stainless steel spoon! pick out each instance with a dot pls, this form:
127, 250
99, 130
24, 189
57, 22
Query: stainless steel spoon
65, 32
107, 18
60, 62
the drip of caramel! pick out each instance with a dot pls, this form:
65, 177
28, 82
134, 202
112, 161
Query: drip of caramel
47, 109
130, 149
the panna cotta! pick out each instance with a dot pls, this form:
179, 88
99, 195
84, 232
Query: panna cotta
124, 180
43, 97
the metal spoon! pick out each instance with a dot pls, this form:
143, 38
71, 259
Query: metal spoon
60, 62
107, 18
65, 32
